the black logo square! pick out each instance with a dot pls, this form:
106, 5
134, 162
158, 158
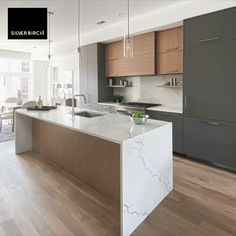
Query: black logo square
27, 23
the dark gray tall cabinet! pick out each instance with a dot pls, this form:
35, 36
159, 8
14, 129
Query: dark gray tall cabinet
210, 88
92, 79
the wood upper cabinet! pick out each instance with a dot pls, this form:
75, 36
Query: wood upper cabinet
170, 62
142, 63
154, 53
169, 49
170, 40
114, 53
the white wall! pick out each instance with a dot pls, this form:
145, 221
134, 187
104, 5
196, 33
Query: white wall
39, 78
145, 89
14, 54
68, 63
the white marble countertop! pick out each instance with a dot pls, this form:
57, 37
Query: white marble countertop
109, 103
162, 108
167, 109
113, 127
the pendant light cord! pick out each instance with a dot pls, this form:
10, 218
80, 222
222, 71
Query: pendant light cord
128, 18
49, 34
78, 26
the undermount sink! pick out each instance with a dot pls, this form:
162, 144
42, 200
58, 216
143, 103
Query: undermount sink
88, 114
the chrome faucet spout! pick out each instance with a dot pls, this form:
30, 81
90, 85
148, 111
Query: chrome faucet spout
73, 103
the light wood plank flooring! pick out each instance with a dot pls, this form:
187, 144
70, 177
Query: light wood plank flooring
38, 199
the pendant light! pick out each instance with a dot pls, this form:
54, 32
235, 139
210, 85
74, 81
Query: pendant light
79, 48
49, 37
128, 39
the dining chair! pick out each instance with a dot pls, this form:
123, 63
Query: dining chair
5, 116
29, 104
10, 100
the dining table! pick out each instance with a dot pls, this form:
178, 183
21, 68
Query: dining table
11, 106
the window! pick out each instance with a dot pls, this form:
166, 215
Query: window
15, 75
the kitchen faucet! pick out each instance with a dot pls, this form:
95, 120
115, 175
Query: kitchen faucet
73, 103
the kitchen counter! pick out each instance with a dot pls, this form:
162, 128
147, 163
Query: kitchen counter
108, 153
167, 109
112, 127
162, 108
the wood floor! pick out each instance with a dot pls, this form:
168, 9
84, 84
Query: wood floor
38, 199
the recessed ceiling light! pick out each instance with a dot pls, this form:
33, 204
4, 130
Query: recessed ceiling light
101, 22
122, 14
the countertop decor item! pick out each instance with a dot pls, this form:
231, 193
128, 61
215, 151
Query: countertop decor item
120, 98
43, 108
19, 98
114, 98
139, 118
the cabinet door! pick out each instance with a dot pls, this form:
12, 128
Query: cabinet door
143, 61
176, 119
92, 82
114, 51
111, 68
209, 81
83, 74
170, 40
177, 122
210, 140
210, 27
113, 56
170, 62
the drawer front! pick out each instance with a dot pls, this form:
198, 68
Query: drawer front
178, 143
210, 27
176, 120
211, 141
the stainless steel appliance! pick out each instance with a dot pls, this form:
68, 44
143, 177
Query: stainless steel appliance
128, 108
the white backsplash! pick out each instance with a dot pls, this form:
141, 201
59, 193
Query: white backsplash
145, 90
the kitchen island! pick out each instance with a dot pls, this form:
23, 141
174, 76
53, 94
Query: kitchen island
129, 164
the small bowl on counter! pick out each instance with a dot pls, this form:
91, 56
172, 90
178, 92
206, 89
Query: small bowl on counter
139, 120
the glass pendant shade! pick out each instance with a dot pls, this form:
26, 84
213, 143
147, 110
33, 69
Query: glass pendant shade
79, 49
128, 39
128, 46
80, 53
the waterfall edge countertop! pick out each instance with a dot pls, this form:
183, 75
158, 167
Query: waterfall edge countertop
112, 127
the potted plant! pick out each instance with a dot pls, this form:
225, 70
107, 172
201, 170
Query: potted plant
120, 98
114, 98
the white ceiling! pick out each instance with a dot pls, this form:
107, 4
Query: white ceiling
64, 23
146, 15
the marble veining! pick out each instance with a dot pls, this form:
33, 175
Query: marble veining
147, 175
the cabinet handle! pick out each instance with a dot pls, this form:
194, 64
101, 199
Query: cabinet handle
209, 39
172, 49
211, 123
185, 102
171, 71
113, 58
